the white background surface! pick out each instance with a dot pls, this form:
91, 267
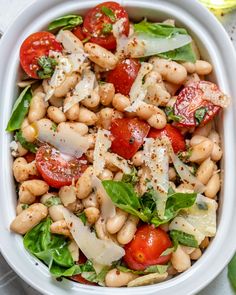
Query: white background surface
10, 283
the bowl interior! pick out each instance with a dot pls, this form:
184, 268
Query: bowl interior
189, 15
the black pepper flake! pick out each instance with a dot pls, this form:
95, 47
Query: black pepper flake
131, 140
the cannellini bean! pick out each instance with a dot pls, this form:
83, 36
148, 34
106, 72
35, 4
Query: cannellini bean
169, 70
196, 254
92, 214
116, 278
89, 154
81, 128
171, 88
67, 194
29, 133
106, 175
191, 78
68, 84
92, 101
203, 67
106, 92
118, 176
101, 56
196, 139
205, 243
180, 260
205, 171
56, 101
117, 115
195, 49
37, 109
214, 137
91, 138
165, 227
37, 89
157, 94
56, 212
29, 218
171, 271
84, 185
105, 117
114, 224
188, 250
213, 186
56, 115
217, 153
100, 228
126, 234
172, 174
46, 197
87, 117
201, 151
157, 121
22, 170
90, 201
60, 228
20, 151
137, 159
204, 130
73, 113
30, 189
120, 102
189, 66
145, 111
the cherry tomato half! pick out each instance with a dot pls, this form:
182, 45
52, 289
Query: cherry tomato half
55, 169
98, 24
177, 139
78, 32
128, 136
35, 46
123, 76
146, 248
191, 99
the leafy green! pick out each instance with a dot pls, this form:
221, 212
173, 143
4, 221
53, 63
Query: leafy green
83, 217
27, 145
200, 114
20, 109
51, 249
123, 196
151, 269
24, 206
106, 28
180, 237
131, 178
202, 206
54, 127
53, 201
66, 22
99, 278
232, 272
108, 12
184, 53
47, 65
171, 117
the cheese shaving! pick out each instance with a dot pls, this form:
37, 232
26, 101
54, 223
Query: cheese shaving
102, 145
118, 161
99, 251
121, 39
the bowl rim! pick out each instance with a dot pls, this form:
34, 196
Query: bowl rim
188, 281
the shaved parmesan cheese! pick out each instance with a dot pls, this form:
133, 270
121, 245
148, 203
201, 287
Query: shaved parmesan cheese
99, 251
102, 145
14, 148
149, 279
138, 90
157, 160
181, 224
66, 140
62, 69
214, 95
108, 209
121, 39
83, 89
202, 215
118, 161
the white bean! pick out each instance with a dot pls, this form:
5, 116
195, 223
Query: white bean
116, 278
60, 228
126, 234
81, 128
87, 117
157, 121
56, 212
217, 153
105, 117
191, 78
214, 137
201, 151
37, 109
92, 101
196, 139
120, 102
106, 175
172, 174
114, 224
205, 171
29, 218
91, 201
196, 254
203, 67
106, 92
30, 189
213, 186
189, 66
68, 84
56, 115
92, 214
29, 133
84, 185
137, 158
73, 113
118, 176
204, 130
180, 260
56, 101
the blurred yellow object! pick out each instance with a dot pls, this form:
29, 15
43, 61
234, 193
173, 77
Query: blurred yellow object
220, 6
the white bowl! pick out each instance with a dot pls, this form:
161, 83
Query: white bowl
216, 47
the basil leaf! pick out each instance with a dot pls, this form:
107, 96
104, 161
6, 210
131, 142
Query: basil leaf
47, 65
108, 12
83, 217
106, 28
167, 251
27, 145
66, 22
151, 269
52, 201
171, 117
24, 206
51, 249
54, 127
200, 114
131, 178
20, 109
184, 53
232, 272
180, 237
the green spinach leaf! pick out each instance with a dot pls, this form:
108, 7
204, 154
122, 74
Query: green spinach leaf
66, 22
47, 67
184, 53
20, 109
151, 269
131, 178
53, 201
27, 145
180, 237
200, 114
171, 117
232, 272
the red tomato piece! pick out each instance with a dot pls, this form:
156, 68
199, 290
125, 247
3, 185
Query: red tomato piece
77, 31
190, 99
98, 23
35, 46
123, 76
146, 248
55, 169
128, 136
177, 139
30, 157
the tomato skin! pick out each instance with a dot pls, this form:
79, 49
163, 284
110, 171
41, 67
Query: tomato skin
123, 76
190, 99
78, 32
146, 247
57, 171
95, 19
35, 46
176, 138
30, 157
127, 136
